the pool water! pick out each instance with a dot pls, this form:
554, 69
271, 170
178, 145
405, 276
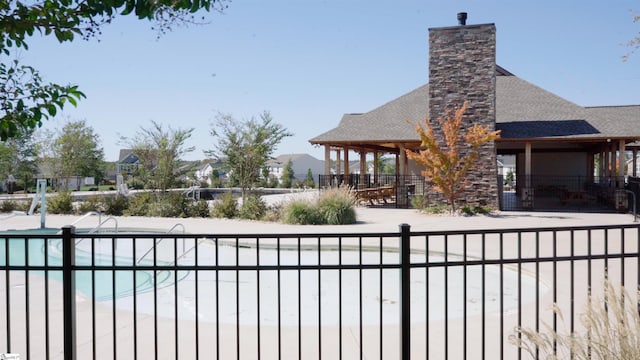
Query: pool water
33, 251
287, 297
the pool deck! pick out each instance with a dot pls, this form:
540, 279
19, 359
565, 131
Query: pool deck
369, 220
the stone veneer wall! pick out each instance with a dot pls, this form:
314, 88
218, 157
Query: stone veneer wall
462, 66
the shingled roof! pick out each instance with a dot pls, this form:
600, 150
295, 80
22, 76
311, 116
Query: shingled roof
523, 111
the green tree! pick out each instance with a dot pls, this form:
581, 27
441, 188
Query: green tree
26, 100
18, 161
77, 152
246, 146
309, 181
159, 151
286, 180
446, 164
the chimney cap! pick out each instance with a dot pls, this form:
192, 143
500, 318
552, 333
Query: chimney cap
462, 18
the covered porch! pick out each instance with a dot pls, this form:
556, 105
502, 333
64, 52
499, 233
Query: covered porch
575, 175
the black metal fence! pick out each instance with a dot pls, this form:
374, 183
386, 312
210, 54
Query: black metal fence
564, 193
404, 187
407, 295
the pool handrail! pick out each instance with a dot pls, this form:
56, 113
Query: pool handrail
95, 229
86, 215
176, 226
156, 241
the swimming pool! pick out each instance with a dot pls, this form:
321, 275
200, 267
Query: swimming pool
307, 297
100, 282
322, 295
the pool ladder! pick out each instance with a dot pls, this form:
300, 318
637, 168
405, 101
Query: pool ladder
157, 242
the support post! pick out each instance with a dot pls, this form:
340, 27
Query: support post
405, 292
69, 291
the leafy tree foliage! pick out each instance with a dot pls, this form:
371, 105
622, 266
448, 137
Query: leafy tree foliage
77, 151
634, 43
18, 160
309, 181
159, 151
287, 175
446, 165
246, 146
25, 99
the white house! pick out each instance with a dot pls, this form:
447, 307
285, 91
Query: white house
203, 172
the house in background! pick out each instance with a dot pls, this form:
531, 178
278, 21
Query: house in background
205, 172
301, 163
564, 153
127, 163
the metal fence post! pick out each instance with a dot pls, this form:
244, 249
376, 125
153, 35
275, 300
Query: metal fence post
68, 291
405, 292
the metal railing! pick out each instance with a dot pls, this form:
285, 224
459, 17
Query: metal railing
405, 187
581, 193
407, 295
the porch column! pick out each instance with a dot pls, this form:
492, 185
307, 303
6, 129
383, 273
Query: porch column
376, 170
622, 163
403, 161
527, 164
346, 166
601, 165
327, 160
338, 162
363, 168
635, 163
614, 164
607, 167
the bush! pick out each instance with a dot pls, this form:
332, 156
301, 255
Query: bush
337, 206
200, 209
92, 203
61, 203
468, 210
419, 202
253, 209
301, 212
116, 205
139, 204
23, 205
8, 206
171, 204
227, 207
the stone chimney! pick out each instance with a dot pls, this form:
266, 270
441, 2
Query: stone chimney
462, 67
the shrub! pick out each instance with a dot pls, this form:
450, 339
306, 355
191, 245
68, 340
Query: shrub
115, 205
337, 206
8, 206
468, 210
274, 213
92, 203
170, 204
23, 205
253, 209
200, 209
301, 212
139, 204
419, 202
227, 207
436, 209
611, 331
61, 203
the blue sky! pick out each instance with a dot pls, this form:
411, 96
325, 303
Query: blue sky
310, 61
